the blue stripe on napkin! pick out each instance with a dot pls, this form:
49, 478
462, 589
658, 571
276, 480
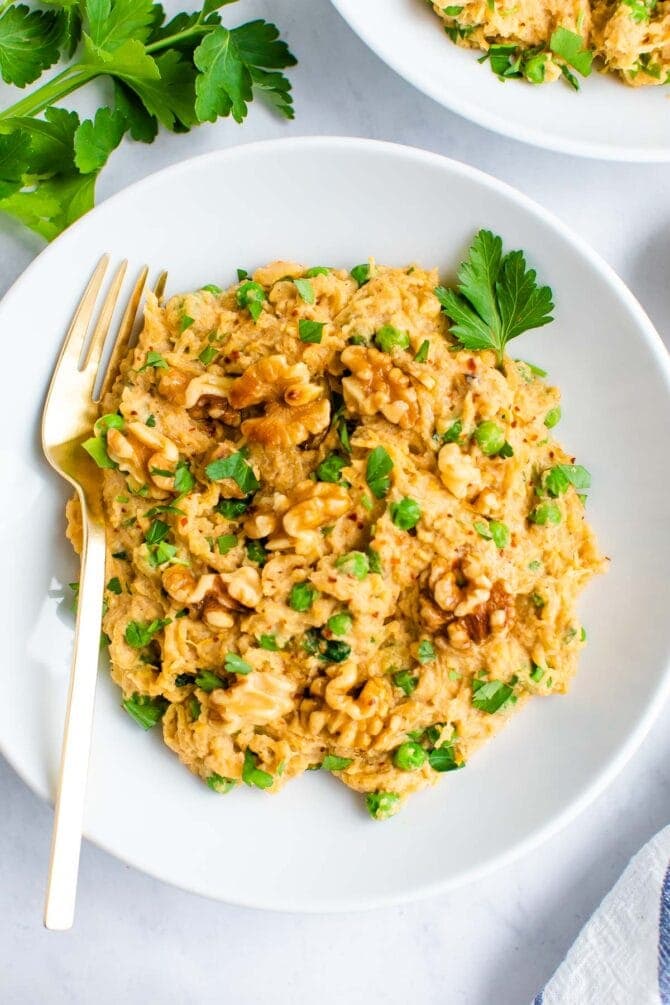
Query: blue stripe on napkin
664, 942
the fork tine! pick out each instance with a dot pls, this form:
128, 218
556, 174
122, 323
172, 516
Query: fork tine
76, 334
95, 347
159, 288
124, 333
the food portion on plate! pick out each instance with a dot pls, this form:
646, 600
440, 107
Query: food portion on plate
541, 41
341, 533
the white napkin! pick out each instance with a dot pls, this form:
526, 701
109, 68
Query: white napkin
622, 955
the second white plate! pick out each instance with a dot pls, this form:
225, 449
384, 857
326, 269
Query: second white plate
604, 119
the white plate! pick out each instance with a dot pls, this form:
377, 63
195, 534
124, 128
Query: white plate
605, 119
312, 847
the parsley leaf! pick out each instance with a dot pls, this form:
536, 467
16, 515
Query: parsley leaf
310, 331
492, 696
305, 290
231, 63
253, 775
572, 49
180, 73
29, 43
378, 470
333, 763
497, 299
234, 467
139, 634
235, 664
146, 711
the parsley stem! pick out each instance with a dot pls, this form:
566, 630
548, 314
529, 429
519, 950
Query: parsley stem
54, 90
180, 36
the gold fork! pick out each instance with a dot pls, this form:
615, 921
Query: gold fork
70, 411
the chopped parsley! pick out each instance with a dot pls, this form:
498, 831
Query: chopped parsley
361, 273
375, 561
183, 479
234, 467
114, 585
547, 512
318, 270
96, 448
235, 664
443, 758
422, 354
425, 652
226, 542
232, 508
560, 477
334, 651
493, 531
251, 295
146, 711
333, 763
406, 513
377, 472
405, 680
155, 361
572, 48
330, 468
256, 552
310, 331
269, 643
305, 289
158, 531
252, 774
209, 353
553, 417
208, 681
492, 695
139, 634
453, 433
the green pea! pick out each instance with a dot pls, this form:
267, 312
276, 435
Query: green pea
409, 756
490, 438
389, 338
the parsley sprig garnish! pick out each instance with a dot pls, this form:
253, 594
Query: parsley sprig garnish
497, 297
178, 74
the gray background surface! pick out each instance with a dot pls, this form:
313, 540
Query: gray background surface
495, 941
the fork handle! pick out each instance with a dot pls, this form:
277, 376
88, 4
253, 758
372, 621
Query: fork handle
69, 813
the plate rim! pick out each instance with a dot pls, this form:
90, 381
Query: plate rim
473, 112
647, 333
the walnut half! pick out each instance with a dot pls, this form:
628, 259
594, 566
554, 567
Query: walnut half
295, 408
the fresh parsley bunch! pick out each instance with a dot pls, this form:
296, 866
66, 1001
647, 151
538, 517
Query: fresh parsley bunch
497, 297
174, 74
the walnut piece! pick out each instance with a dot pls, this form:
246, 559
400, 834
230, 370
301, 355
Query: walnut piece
458, 471
377, 385
295, 407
